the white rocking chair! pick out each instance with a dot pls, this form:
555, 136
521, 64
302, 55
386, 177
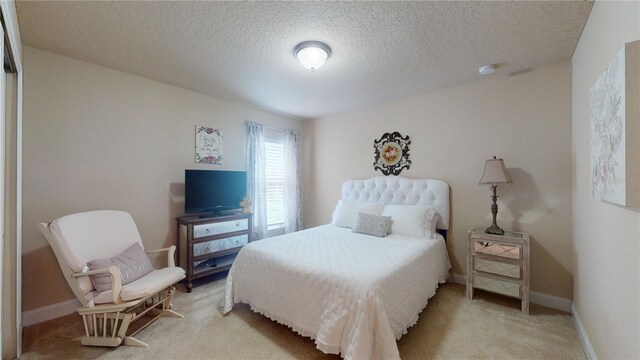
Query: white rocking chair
110, 317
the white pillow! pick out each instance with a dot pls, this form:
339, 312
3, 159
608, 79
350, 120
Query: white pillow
412, 220
432, 220
346, 213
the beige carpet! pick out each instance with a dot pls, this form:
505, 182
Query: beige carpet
451, 327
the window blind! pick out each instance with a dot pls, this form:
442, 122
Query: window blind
275, 182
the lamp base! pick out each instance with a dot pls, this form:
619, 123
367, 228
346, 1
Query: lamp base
494, 229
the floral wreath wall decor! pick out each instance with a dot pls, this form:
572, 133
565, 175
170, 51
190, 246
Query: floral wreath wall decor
208, 145
391, 153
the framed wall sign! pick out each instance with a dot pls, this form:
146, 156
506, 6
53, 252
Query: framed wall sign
208, 145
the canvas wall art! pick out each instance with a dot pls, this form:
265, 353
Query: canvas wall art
615, 130
208, 145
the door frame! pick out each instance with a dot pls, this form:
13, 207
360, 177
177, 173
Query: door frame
9, 19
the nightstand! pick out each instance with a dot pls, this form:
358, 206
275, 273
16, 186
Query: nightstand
499, 263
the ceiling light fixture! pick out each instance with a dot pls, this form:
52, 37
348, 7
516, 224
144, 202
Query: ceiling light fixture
487, 69
312, 54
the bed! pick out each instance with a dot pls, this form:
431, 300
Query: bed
354, 294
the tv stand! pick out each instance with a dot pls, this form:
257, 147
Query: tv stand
207, 244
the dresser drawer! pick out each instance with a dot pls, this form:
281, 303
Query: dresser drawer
498, 286
495, 267
510, 251
212, 246
220, 228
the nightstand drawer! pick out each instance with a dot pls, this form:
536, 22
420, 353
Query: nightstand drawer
498, 286
495, 267
510, 251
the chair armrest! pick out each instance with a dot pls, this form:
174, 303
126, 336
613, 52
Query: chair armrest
170, 254
116, 280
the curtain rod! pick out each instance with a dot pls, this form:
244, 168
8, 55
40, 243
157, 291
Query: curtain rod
272, 127
275, 128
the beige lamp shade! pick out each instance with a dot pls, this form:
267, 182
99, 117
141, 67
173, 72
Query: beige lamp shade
495, 172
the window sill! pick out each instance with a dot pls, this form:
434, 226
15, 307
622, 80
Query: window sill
275, 230
275, 226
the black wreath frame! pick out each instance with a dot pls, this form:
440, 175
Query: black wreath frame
404, 162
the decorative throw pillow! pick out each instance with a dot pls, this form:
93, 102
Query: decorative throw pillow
412, 220
133, 264
346, 213
372, 225
431, 221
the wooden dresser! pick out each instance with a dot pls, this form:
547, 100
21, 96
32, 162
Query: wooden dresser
209, 245
499, 263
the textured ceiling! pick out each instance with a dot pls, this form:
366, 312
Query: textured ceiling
242, 51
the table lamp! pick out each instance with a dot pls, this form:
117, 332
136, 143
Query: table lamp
495, 173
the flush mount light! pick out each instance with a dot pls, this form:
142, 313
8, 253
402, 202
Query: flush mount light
487, 69
312, 54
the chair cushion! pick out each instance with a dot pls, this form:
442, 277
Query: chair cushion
91, 235
133, 264
145, 286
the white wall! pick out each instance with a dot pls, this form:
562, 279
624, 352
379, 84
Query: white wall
524, 118
606, 237
96, 138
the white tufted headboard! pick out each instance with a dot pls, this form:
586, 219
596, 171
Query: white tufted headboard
396, 190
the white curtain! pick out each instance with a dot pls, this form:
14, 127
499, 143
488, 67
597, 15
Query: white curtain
292, 182
256, 178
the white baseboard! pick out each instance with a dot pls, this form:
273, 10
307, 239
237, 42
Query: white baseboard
459, 279
582, 334
538, 298
49, 312
550, 301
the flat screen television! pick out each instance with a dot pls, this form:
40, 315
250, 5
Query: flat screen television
213, 191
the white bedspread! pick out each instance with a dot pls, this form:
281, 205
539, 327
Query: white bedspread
354, 294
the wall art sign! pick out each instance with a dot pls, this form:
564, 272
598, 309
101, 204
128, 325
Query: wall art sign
391, 153
615, 125
208, 145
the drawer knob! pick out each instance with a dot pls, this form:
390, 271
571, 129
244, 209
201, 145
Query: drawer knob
237, 223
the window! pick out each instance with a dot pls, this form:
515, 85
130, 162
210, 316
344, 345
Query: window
275, 180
